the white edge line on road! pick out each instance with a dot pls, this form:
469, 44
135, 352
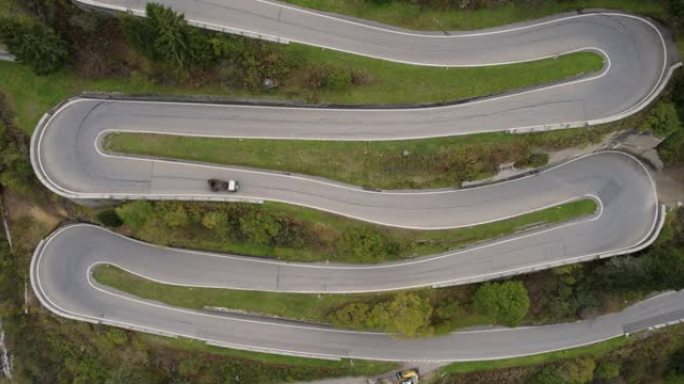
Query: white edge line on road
42, 244
45, 300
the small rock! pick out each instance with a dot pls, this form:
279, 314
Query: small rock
406, 152
269, 83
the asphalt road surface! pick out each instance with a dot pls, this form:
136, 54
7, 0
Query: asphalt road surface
66, 155
61, 266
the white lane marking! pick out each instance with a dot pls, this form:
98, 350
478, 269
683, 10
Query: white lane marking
661, 37
45, 300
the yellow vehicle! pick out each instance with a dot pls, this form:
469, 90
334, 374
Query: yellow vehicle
408, 376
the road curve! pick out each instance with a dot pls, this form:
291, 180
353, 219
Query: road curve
66, 155
60, 276
619, 183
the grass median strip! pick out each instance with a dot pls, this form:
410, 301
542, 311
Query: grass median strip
405, 164
450, 307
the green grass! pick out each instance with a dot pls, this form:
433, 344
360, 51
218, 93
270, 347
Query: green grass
292, 305
393, 83
425, 163
412, 16
306, 307
32, 95
346, 366
327, 228
295, 306
594, 350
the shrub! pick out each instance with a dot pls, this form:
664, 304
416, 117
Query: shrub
577, 371
505, 302
259, 227
34, 44
109, 218
367, 245
548, 375
176, 216
352, 315
136, 213
338, 80
607, 370
676, 13
662, 120
533, 160
676, 363
409, 314
214, 220
406, 313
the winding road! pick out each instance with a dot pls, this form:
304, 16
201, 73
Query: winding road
67, 156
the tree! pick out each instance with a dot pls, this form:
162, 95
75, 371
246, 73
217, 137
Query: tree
34, 44
408, 313
165, 36
136, 213
505, 302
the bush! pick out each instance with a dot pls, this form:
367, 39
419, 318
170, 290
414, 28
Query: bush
35, 45
672, 149
176, 216
338, 80
367, 245
259, 227
533, 160
136, 213
548, 375
676, 363
676, 13
407, 314
506, 302
607, 370
109, 218
662, 120
577, 371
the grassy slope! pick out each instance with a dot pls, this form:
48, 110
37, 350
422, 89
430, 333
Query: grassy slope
427, 163
294, 306
412, 16
594, 350
33, 95
411, 242
298, 306
348, 367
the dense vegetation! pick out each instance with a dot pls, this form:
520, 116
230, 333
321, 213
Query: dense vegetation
653, 357
300, 234
564, 293
426, 163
